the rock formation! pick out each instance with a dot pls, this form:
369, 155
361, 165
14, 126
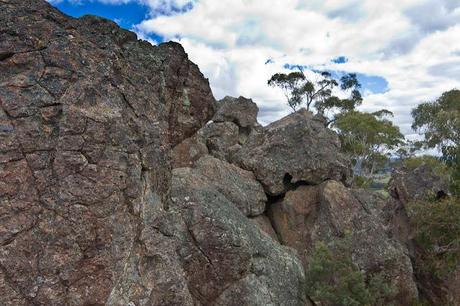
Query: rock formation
123, 182
88, 115
419, 184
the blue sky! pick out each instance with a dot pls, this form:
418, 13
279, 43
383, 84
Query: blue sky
126, 15
404, 51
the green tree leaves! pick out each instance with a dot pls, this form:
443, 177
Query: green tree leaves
298, 89
333, 278
436, 227
367, 136
439, 122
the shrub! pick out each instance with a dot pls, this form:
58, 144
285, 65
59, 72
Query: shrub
436, 227
333, 278
361, 182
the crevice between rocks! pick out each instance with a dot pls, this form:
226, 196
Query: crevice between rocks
5, 55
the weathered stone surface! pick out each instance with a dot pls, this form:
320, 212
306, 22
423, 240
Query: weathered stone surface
241, 111
418, 184
231, 126
293, 218
226, 255
297, 148
237, 185
264, 224
186, 153
91, 123
87, 117
220, 138
311, 214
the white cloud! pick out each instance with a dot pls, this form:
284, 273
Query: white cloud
413, 44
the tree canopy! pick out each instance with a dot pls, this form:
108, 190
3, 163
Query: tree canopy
298, 89
439, 122
367, 136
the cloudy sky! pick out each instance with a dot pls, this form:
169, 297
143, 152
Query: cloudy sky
404, 51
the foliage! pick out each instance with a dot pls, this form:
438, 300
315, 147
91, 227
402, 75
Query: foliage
291, 84
367, 136
361, 182
439, 121
439, 166
298, 89
437, 230
333, 278
408, 149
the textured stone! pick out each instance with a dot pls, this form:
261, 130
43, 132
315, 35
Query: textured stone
237, 185
221, 138
87, 117
241, 111
420, 184
294, 149
228, 260
264, 224
186, 153
92, 122
311, 214
417, 184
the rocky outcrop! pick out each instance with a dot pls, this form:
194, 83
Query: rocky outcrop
296, 149
241, 111
221, 137
88, 115
231, 255
417, 184
122, 181
237, 185
406, 186
326, 212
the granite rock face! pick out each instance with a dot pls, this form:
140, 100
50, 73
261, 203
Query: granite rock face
417, 184
232, 262
123, 182
91, 211
88, 115
326, 212
241, 111
295, 149
223, 136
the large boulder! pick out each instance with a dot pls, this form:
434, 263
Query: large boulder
326, 212
295, 149
241, 111
411, 185
420, 183
237, 185
222, 137
226, 259
87, 114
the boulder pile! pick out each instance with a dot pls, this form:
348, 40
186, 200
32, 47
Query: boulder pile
123, 181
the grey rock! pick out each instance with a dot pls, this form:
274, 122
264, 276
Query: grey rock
311, 214
417, 184
237, 185
297, 148
220, 138
264, 224
241, 111
227, 254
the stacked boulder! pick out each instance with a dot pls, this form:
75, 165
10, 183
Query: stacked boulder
123, 182
291, 180
407, 186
